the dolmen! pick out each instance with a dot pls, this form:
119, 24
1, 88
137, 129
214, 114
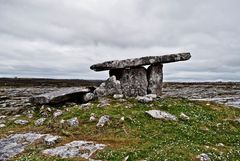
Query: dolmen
130, 78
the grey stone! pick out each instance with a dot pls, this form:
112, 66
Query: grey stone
88, 97
51, 140
144, 99
73, 122
184, 117
155, 79
83, 149
57, 113
92, 117
21, 122
60, 96
128, 63
110, 87
103, 121
157, 114
133, 81
40, 122
118, 96
203, 157
15, 144
2, 125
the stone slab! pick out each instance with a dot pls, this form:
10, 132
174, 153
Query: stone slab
60, 96
148, 60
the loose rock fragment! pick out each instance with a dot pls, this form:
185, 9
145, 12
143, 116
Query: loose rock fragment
21, 122
203, 157
2, 125
103, 121
73, 122
57, 113
144, 99
118, 96
40, 122
157, 114
88, 97
184, 117
92, 117
51, 140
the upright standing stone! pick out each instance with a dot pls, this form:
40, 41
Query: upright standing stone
133, 80
155, 79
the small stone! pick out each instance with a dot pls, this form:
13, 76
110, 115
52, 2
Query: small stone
86, 105
103, 121
40, 122
208, 104
73, 122
126, 158
57, 113
51, 140
122, 119
62, 121
21, 122
2, 125
49, 109
157, 114
144, 99
153, 96
3, 117
30, 115
184, 117
88, 97
118, 96
220, 144
92, 117
203, 157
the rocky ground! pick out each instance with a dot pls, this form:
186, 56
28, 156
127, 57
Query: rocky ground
117, 128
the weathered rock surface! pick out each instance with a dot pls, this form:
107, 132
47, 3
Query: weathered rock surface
128, 63
62, 95
110, 87
144, 99
83, 149
15, 144
133, 81
157, 114
155, 79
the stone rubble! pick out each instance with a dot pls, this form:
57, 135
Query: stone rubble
57, 113
184, 117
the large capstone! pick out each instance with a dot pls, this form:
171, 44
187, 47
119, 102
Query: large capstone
108, 88
148, 60
133, 80
155, 79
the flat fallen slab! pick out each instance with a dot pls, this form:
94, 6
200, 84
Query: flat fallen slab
62, 95
148, 60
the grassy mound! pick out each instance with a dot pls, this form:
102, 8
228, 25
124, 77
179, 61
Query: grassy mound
212, 129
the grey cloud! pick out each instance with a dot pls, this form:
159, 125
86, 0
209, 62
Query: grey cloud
58, 38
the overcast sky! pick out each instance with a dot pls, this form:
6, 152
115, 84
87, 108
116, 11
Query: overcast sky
62, 38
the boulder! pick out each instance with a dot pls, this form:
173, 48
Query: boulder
157, 114
73, 121
133, 81
149, 60
110, 87
51, 140
155, 79
60, 96
103, 121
